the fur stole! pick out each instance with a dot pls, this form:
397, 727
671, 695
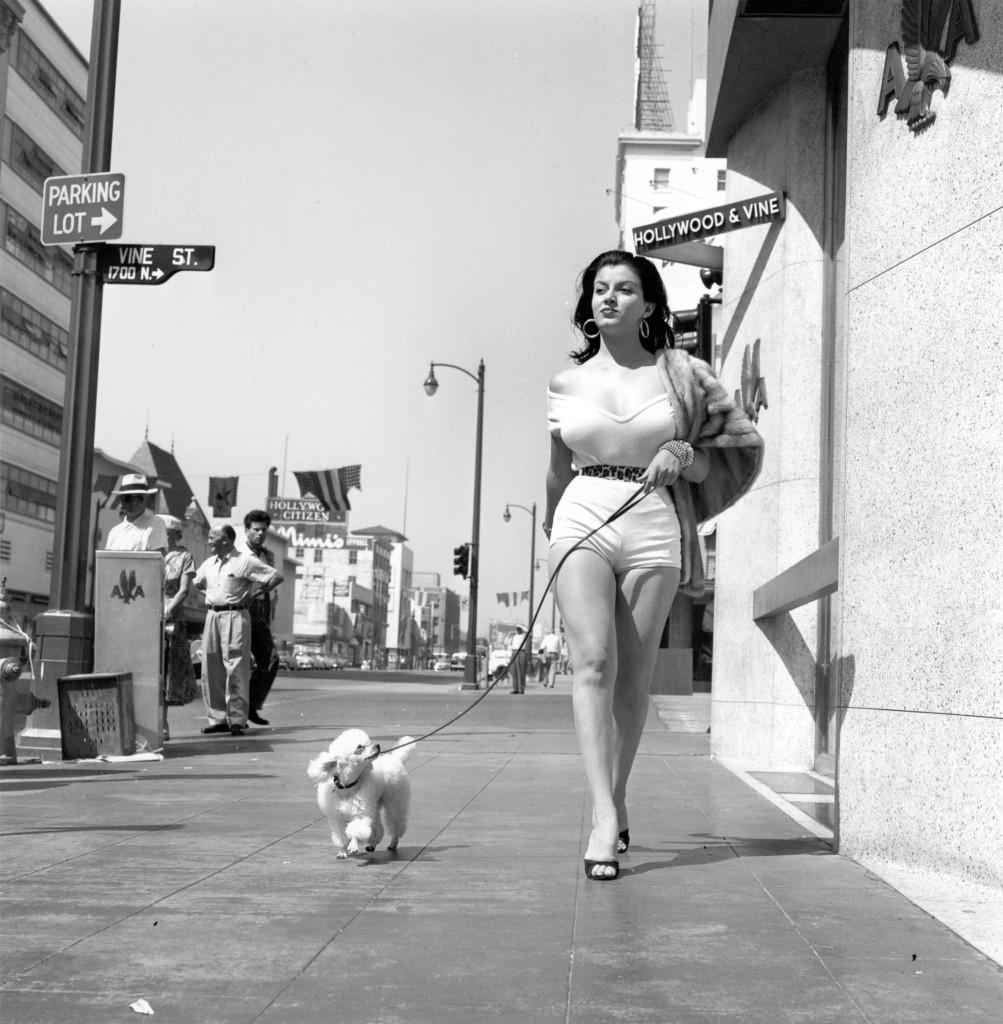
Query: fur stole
709, 420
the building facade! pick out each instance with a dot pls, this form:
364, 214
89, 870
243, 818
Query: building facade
858, 619
43, 89
342, 582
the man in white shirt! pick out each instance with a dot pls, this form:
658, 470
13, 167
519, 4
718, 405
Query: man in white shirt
550, 652
141, 529
230, 579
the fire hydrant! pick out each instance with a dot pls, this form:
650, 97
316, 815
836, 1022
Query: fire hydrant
14, 655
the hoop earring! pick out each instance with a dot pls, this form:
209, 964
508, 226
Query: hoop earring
644, 330
591, 337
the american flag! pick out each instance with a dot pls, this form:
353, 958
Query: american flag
330, 486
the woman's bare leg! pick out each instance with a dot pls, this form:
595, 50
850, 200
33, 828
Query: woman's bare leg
586, 594
644, 599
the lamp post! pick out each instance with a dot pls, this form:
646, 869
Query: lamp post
431, 385
532, 558
430, 635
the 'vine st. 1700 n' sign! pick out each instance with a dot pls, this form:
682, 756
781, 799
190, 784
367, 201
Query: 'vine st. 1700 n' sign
152, 264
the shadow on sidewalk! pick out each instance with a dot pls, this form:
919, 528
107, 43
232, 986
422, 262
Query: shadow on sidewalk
714, 849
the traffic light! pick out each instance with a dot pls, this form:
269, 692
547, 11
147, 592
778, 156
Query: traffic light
461, 560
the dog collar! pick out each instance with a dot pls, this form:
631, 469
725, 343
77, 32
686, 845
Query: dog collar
338, 785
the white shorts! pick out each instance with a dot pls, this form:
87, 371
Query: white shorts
646, 536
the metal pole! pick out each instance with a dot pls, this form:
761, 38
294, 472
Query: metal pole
471, 679
71, 537
532, 573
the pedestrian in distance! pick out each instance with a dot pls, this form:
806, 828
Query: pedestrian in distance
550, 652
519, 658
229, 578
633, 413
140, 529
180, 686
266, 657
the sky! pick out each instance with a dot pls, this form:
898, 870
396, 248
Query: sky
386, 183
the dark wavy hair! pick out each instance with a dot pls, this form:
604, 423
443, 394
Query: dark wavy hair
660, 330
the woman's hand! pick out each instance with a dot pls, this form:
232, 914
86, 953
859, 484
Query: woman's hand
662, 471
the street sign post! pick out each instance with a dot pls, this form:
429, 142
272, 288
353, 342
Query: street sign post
152, 264
82, 208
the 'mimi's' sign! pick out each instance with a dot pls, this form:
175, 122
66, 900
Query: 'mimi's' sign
690, 227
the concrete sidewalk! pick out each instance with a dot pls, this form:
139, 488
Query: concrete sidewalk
205, 884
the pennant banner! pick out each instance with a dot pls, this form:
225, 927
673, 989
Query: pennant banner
105, 483
222, 495
330, 486
502, 599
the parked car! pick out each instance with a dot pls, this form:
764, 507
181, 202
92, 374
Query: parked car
498, 658
441, 665
286, 662
458, 662
303, 661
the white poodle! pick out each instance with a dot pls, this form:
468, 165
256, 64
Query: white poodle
363, 794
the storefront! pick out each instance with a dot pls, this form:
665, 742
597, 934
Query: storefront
858, 629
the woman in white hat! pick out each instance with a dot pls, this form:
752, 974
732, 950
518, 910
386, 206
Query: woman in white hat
180, 686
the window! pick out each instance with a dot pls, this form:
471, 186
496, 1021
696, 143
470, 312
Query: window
30, 330
353, 557
35, 68
29, 412
4, 550
722, 179
318, 554
24, 242
27, 493
299, 553
26, 158
660, 181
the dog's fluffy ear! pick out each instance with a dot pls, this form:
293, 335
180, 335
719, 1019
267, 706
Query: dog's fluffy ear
319, 769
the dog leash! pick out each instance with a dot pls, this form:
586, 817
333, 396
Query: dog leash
500, 673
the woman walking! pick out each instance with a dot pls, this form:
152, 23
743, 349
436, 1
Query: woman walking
632, 413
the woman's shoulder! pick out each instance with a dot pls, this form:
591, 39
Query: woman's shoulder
567, 381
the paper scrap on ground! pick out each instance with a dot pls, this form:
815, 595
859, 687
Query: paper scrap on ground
141, 1006
146, 756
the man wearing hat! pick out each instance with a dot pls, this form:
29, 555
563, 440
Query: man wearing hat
140, 530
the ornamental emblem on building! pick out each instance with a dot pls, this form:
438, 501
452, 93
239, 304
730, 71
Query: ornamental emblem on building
751, 396
931, 32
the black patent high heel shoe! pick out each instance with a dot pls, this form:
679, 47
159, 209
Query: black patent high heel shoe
591, 865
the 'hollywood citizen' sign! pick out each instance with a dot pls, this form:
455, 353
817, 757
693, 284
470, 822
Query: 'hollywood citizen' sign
689, 227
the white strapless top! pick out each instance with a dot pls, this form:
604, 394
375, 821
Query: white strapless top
597, 436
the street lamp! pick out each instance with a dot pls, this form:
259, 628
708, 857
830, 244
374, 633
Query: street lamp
532, 557
431, 385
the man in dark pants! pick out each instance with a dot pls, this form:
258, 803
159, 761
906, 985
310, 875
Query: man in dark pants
266, 658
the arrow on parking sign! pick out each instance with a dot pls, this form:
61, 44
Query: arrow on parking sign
104, 220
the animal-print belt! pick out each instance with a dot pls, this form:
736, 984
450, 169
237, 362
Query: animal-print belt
632, 474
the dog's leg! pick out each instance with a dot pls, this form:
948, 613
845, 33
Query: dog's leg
396, 803
339, 844
358, 831
377, 836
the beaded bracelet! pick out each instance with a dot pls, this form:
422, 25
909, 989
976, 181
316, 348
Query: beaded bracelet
682, 450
